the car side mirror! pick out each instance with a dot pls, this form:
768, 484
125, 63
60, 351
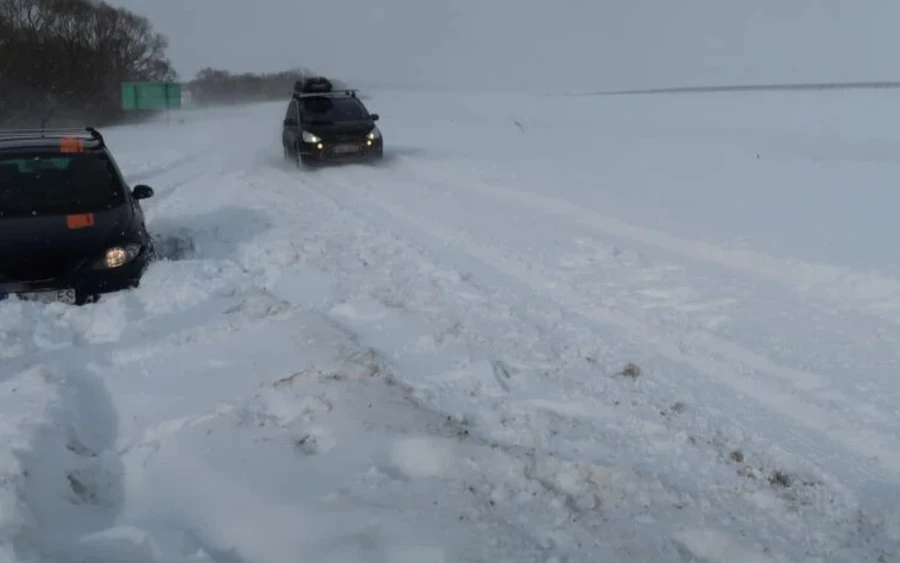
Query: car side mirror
142, 192
290, 122
374, 117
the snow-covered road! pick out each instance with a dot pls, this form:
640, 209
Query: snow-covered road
545, 328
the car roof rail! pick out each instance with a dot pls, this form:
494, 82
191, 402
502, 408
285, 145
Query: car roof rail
333, 94
53, 133
311, 84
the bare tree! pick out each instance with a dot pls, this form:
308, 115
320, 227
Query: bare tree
62, 61
215, 86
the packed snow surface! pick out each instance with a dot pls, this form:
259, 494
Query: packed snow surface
545, 328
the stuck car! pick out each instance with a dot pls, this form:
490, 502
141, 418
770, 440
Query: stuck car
71, 229
323, 124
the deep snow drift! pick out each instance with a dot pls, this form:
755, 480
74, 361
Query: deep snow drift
425, 360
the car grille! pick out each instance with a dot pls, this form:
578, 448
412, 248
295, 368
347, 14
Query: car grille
345, 138
34, 267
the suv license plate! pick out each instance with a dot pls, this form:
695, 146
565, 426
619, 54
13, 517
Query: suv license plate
66, 296
344, 149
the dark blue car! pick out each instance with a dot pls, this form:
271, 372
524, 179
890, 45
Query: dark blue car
70, 227
322, 124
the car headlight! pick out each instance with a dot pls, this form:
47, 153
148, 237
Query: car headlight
118, 256
374, 134
310, 138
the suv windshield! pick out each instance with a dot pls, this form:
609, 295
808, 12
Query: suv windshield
55, 184
322, 109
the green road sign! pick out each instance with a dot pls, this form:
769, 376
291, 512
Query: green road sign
151, 95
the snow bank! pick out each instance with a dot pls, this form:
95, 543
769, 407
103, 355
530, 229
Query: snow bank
62, 476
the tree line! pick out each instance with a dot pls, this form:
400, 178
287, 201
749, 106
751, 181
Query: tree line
216, 86
62, 62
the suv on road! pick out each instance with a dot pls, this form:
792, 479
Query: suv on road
324, 124
70, 227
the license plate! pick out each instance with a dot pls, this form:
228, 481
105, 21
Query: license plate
344, 149
66, 296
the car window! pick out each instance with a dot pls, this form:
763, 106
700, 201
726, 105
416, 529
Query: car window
54, 184
324, 108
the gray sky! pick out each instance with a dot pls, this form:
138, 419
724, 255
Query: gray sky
515, 43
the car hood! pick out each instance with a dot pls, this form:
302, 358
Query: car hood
78, 237
340, 128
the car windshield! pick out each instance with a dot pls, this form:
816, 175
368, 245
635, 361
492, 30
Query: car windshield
56, 183
323, 109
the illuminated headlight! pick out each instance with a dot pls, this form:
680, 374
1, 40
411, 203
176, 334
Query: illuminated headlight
310, 138
120, 255
374, 134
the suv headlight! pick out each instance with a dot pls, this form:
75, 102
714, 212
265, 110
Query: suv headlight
310, 138
118, 256
374, 134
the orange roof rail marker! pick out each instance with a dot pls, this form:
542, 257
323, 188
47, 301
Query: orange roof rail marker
71, 144
80, 221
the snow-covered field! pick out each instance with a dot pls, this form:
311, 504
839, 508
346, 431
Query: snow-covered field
425, 360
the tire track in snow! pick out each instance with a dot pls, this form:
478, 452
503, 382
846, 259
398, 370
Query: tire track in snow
682, 294
167, 167
881, 450
508, 411
859, 292
539, 464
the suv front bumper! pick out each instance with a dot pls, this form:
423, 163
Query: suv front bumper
82, 285
341, 149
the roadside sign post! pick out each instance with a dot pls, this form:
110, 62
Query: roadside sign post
151, 96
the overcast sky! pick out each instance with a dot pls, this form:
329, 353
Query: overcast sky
515, 43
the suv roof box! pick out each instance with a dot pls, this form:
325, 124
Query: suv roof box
313, 85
